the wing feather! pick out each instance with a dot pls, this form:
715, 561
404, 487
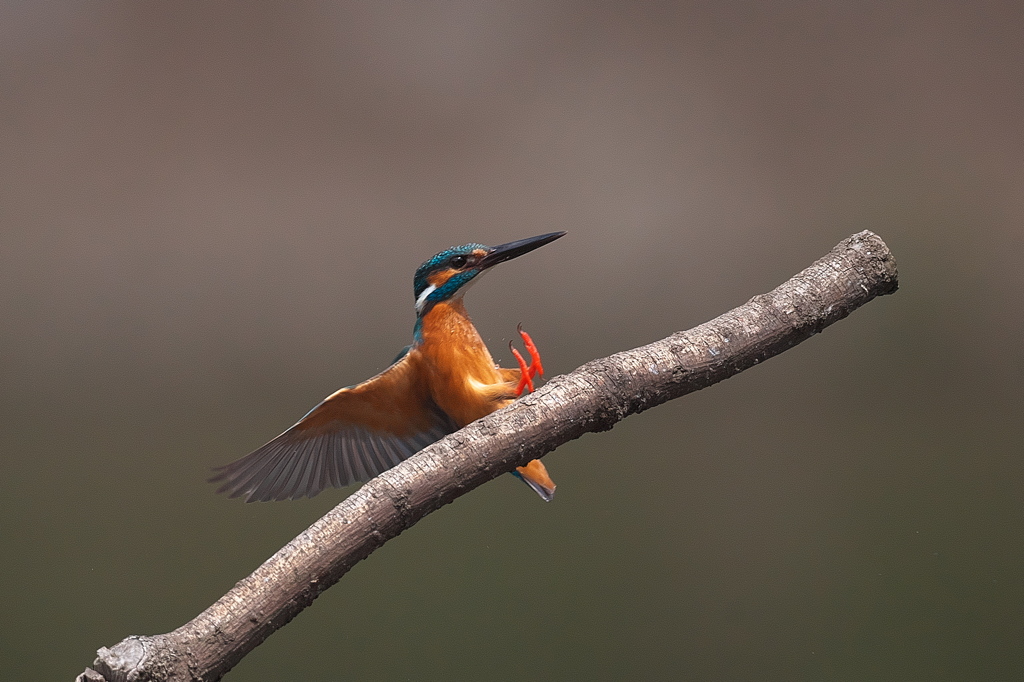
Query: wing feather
353, 435
320, 473
307, 469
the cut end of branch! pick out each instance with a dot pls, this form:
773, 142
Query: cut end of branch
874, 250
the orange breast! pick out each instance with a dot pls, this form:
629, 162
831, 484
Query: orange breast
463, 379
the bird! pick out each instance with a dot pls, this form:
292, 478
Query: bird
444, 380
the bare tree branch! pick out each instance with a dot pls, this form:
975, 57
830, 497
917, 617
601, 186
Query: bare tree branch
592, 398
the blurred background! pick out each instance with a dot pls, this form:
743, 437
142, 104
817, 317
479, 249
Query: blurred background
210, 214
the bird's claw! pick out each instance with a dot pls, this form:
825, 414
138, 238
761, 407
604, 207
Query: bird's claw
526, 372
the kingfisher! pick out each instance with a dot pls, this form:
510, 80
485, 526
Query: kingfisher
442, 382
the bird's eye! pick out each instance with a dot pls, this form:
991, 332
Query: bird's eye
458, 261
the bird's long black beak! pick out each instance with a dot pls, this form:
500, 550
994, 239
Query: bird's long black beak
504, 252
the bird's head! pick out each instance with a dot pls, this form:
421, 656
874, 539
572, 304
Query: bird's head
447, 274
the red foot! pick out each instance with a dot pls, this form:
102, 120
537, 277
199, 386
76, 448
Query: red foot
527, 373
525, 378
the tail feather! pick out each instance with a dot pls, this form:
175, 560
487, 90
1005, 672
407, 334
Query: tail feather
535, 475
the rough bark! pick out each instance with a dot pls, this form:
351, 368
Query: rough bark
591, 398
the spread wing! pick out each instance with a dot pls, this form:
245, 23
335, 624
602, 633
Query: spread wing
353, 435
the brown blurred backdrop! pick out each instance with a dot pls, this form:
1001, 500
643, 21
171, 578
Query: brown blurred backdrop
210, 214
